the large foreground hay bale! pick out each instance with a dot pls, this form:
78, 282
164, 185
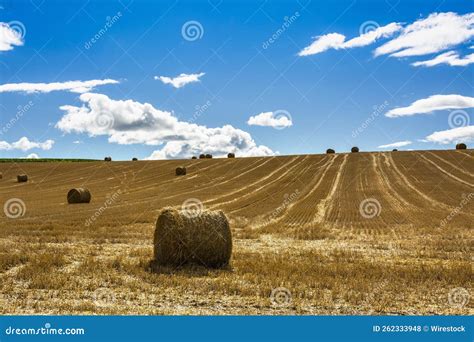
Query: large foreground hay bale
203, 239
108, 159
22, 178
208, 156
202, 156
355, 149
180, 171
461, 146
78, 195
330, 150
230, 155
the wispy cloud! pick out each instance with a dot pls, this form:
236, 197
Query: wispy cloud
396, 144
451, 58
433, 34
24, 144
180, 80
433, 103
455, 135
131, 122
338, 41
271, 119
9, 37
437, 32
72, 86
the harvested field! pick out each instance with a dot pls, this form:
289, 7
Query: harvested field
360, 233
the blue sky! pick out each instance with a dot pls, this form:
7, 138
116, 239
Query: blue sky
339, 93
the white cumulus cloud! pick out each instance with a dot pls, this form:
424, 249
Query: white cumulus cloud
180, 80
455, 135
32, 156
396, 144
24, 144
271, 119
9, 37
451, 58
72, 86
131, 122
433, 103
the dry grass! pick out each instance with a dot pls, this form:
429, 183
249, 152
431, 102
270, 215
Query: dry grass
295, 221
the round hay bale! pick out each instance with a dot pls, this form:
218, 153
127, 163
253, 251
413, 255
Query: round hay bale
330, 150
108, 159
134, 159
203, 239
461, 146
180, 171
231, 155
202, 156
22, 178
355, 149
78, 195
193, 157
394, 150
208, 156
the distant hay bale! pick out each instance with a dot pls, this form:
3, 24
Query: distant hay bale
394, 150
230, 155
78, 195
22, 178
193, 157
134, 159
330, 150
202, 156
208, 156
180, 171
108, 159
203, 239
461, 146
355, 149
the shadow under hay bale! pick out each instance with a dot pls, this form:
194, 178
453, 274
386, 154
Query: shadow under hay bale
461, 146
180, 171
355, 149
108, 159
208, 156
181, 239
78, 195
330, 150
22, 178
